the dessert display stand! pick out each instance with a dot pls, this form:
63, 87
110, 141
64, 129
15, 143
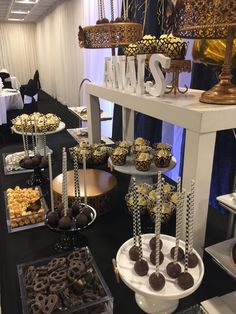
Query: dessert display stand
141, 176
40, 144
71, 239
151, 301
200, 120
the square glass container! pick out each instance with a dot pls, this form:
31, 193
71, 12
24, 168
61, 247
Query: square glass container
32, 220
104, 305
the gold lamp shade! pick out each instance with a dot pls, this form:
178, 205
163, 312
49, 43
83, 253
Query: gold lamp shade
211, 19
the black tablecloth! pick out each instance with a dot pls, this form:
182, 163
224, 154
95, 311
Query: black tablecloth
104, 237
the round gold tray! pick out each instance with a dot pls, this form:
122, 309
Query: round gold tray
99, 189
110, 35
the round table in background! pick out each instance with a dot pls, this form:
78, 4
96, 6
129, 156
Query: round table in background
10, 99
100, 185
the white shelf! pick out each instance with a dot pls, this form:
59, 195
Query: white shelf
221, 253
77, 134
77, 111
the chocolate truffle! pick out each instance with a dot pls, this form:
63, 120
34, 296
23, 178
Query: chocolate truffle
185, 280
141, 267
133, 253
119, 20
88, 212
173, 269
65, 223
53, 219
157, 281
75, 208
152, 243
153, 257
192, 260
26, 162
180, 255
81, 220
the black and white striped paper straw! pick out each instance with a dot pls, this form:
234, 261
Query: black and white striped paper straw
135, 209
186, 256
191, 216
76, 178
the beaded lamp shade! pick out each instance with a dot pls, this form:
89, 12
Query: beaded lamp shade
210, 19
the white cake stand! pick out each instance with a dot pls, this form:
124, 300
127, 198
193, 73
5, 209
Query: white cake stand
141, 176
40, 144
151, 301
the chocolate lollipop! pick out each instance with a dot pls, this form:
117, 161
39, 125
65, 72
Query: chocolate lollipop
65, 221
185, 279
26, 138
156, 279
192, 259
173, 268
134, 250
141, 266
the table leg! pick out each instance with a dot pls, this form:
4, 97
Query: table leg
93, 116
128, 124
198, 159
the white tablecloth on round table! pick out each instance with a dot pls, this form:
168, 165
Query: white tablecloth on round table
15, 82
9, 100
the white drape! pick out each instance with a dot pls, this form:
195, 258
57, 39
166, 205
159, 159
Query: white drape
60, 59
18, 50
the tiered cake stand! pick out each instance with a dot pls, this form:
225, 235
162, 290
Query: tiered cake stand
40, 144
141, 176
151, 301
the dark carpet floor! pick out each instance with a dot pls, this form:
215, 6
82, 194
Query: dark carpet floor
104, 237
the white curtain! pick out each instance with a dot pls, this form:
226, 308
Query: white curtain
60, 60
18, 50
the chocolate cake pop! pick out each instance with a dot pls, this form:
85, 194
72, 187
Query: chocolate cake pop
180, 253
173, 269
153, 257
134, 253
141, 267
44, 162
81, 220
65, 222
35, 161
53, 219
157, 281
192, 260
185, 280
152, 243
75, 208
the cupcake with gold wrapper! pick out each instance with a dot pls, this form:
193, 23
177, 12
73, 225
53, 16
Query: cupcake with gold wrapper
158, 146
172, 46
131, 50
99, 155
167, 211
143, 161
118, 156
80, 152
147, 44
142, 202
162, 158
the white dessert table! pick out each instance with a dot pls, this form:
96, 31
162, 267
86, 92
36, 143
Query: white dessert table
10, 99
201, 122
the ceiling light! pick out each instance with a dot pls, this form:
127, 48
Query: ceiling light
19, 12
26, 1
10, 19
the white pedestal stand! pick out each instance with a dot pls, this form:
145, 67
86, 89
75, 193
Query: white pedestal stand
40, 138
141, 176
151, 301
